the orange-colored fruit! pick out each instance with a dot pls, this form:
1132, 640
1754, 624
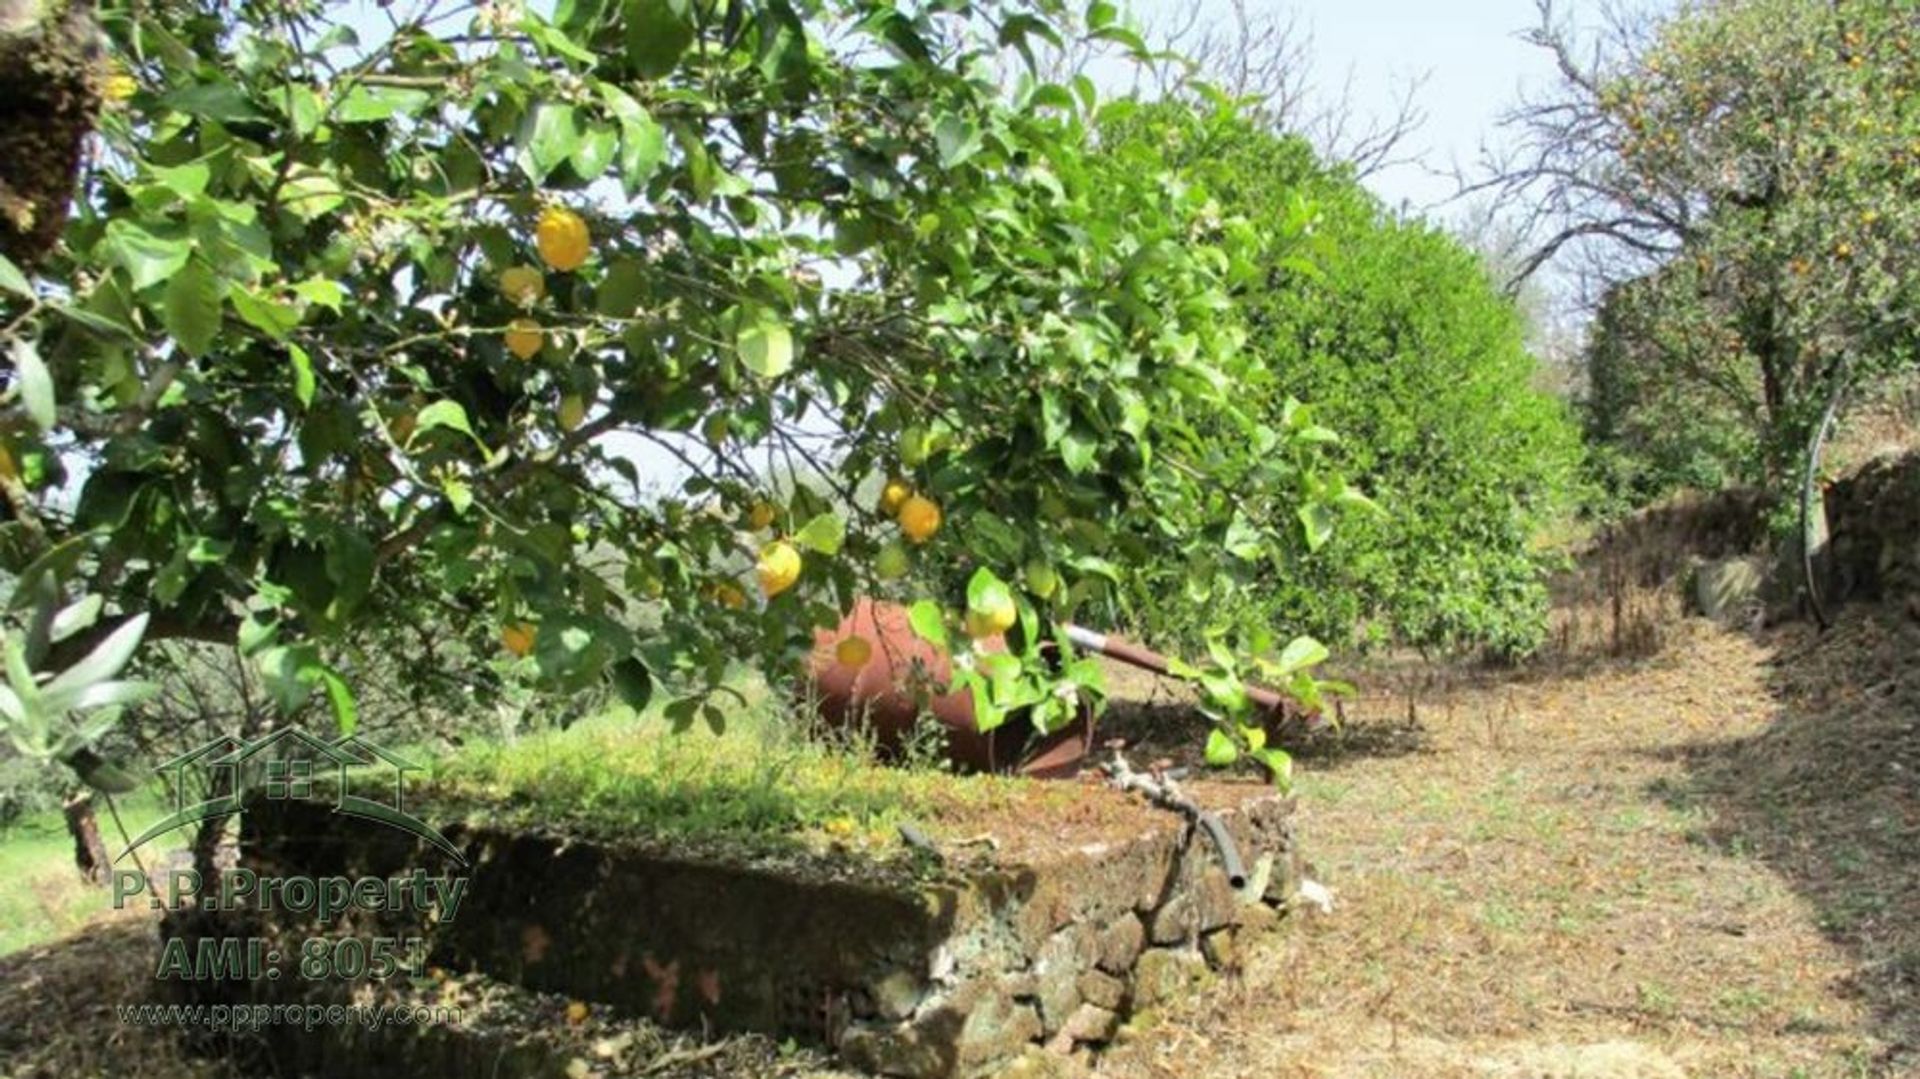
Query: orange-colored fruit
517, 637
893, 496
523, 285
562, 238
779, 567
761, 515
525, 338
853, 652
919, 518
728, 594
576, 1013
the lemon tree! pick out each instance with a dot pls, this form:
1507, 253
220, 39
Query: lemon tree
372, 322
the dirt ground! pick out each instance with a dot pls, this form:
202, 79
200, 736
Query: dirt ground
1705, 863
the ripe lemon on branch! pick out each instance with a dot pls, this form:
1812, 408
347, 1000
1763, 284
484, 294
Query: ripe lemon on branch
562, 239
761, 516
919, 518
853, 651
893, 496
525, 338
523, 285
779, 567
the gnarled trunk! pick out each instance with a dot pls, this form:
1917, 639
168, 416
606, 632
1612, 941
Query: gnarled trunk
89, 850
49, 97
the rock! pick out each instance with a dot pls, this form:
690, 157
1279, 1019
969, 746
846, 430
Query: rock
1120, 944
1092, 1023
1037, 1063
1057, 973
1209, 904
1257, 920
1730, 589
1221, 948
897, 995
1284, 881
902, 1051
996, 1028
1167, 974
1102, 989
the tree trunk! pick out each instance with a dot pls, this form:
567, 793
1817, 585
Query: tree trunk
49, 96
89, 850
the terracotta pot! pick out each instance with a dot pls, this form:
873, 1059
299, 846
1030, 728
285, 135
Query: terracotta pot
886, 693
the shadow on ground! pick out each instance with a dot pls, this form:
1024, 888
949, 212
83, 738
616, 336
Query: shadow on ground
1828, 796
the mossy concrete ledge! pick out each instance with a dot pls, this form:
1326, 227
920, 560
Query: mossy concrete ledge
923, 966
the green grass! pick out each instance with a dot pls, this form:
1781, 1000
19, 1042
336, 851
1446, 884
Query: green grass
761, 779
43, 895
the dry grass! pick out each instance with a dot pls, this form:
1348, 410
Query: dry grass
1701, 864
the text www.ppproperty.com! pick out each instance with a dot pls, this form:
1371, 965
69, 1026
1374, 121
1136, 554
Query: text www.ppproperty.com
306, 1016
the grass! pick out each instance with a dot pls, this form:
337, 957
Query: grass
44, 896
761, 779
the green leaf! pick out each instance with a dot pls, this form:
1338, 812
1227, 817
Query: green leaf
148, 259
956, 138
547, 139
105, 660
191, 308
594, 152
929, 622
12, 280
1279, 765
657, 33
271, 317
1300, 654
371, 104
449, 414
1316, 521
346, 714
1221, 750
825, 534
765, 344
632, 683
303, 381
36, 384
75, 617
621, 290
986, 592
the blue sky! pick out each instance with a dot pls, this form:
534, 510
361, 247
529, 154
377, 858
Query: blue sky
1468, 49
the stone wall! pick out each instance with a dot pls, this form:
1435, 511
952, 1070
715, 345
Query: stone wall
935, 968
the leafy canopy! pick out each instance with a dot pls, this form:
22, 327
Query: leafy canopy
825, 242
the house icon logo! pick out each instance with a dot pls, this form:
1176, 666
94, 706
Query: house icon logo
287, 764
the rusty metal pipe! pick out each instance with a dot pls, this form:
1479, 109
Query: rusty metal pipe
1135, 655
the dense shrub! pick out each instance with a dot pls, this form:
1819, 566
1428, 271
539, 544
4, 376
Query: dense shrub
1394, 334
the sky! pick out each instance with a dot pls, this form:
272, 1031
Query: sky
1469, 52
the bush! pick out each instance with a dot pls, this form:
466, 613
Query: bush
1394, 334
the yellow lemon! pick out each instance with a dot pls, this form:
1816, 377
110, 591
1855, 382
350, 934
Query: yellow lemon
572, 410
1041, 579
995, 618
779, 567
893, 496
761, 515
576, 1013
853, 652
728, 594
523, 285
892, 563
919, 518
525, 338
562, 239
518, 637
119, 86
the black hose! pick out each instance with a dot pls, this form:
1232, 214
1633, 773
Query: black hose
1216, 830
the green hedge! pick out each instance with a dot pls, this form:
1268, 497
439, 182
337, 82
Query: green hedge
1395, 335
